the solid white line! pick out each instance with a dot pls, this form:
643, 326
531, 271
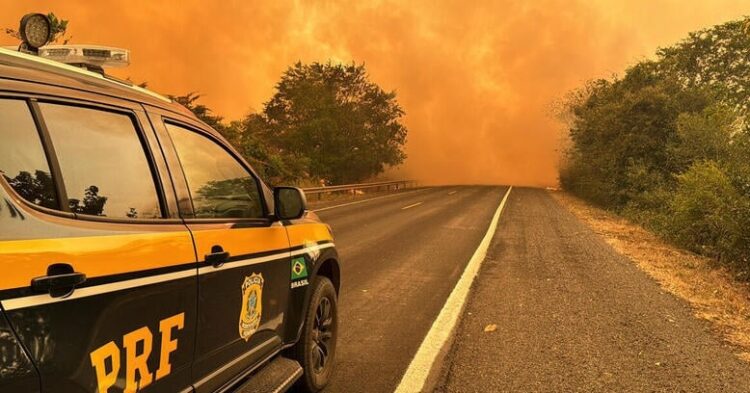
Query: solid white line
367, 200
442, 329
410, 206
452, 192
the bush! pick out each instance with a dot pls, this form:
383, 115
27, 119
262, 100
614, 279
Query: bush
704, 212
668, 145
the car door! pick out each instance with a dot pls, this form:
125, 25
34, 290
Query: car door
243, 282
98, 272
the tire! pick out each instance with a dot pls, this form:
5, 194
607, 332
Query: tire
316, 348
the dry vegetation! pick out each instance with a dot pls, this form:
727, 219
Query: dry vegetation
711, 290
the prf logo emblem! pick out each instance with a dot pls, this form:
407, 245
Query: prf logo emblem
252, 305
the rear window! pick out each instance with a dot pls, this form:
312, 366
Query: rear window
104, 166
22, 159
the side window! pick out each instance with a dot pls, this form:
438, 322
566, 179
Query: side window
219, 185
22, 159
104, 166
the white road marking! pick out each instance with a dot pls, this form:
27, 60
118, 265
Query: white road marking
367, 200
412, 205
436, 340
452, 192
38, 300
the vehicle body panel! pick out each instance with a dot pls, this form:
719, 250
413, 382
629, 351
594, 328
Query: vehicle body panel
17, 372
141, 273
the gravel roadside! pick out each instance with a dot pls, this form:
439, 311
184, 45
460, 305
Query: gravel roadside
556, 309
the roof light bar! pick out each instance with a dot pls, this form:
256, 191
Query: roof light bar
89, 56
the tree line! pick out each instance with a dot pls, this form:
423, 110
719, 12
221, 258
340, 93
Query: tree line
667, 144
325, 123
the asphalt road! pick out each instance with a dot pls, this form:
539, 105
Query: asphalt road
401, 257
572, 315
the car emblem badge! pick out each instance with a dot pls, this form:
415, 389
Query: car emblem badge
252, 305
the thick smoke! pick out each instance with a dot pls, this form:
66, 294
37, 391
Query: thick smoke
476, 78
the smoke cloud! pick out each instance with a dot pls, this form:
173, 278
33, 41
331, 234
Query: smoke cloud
476, 78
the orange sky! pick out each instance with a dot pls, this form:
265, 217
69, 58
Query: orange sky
476, 78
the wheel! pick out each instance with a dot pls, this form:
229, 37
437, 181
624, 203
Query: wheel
316, 348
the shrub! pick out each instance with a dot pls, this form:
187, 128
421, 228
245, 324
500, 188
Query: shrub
704, 212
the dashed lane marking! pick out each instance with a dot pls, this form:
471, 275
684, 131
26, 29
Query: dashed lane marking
412, 205
369, 199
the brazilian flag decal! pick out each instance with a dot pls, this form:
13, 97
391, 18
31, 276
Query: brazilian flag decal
299, 268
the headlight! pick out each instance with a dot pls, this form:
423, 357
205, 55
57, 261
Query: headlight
35, 30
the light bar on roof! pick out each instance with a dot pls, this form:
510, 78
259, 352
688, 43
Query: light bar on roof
87, 55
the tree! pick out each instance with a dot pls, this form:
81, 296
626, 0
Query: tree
623, 127
93, 203
38, 188
254, 139
325, 122
705, 135
190, 101
345, 126
668, 143
707, 213
717, 56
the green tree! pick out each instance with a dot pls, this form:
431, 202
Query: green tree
254, 139
716, 56
624, 124
345, 126
190, 101
668, 144
707, 212
705, 135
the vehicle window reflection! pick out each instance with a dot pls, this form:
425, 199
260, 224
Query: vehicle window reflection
219, 185
23, 162
103, 163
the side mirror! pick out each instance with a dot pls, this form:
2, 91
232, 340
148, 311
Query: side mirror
290, 203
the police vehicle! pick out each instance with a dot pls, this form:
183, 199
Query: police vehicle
138, 251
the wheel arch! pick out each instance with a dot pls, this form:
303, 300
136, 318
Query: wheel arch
330, 268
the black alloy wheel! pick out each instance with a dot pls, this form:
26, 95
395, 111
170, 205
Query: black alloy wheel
317, 347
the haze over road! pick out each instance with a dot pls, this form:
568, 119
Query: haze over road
571, 314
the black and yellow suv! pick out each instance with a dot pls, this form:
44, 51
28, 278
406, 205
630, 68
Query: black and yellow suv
140, 253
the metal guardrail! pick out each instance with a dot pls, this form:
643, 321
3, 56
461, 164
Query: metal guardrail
380, 186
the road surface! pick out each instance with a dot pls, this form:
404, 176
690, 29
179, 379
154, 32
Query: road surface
571, 314
401, 256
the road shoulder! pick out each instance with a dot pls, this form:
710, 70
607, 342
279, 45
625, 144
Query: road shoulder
711, 290
555, 308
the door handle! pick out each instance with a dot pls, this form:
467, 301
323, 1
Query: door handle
217, 257
60, 281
